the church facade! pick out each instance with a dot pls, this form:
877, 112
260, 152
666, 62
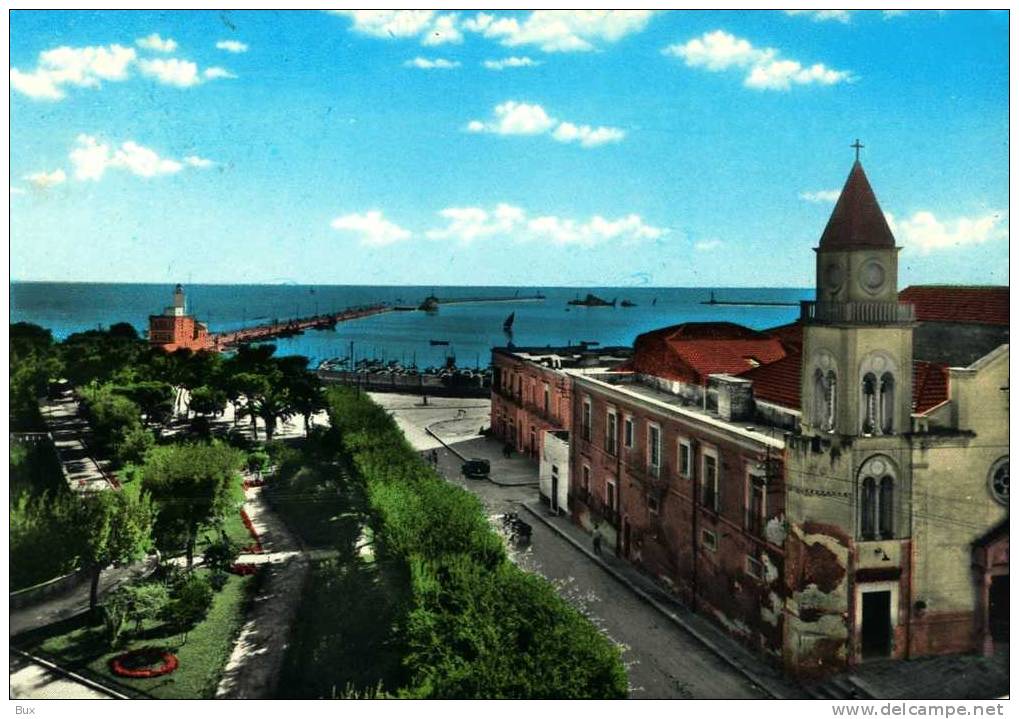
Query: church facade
831, 491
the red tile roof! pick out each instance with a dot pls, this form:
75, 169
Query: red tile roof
779, 383
969, 305
791, 335
857, 220
690, 352
930, 385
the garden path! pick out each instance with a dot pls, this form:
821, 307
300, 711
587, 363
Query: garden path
254, 666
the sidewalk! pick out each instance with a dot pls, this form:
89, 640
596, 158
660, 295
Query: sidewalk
514, 471
257, 658
749, 664
82, 472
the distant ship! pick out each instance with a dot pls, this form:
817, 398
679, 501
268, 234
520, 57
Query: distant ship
438, 343
592, 301
627, 303
431, 304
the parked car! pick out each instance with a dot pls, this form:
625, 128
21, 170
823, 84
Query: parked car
476, 468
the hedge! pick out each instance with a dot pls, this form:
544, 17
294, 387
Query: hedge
479, 627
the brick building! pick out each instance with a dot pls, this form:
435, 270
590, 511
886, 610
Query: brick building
532, 405
175, 329
830, 491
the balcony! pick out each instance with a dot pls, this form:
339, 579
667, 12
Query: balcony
857, 312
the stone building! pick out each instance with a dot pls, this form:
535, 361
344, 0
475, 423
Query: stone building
830, 491
176, 329
532, 405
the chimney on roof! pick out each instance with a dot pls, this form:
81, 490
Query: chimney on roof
735, 397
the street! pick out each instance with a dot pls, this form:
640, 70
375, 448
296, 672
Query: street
663, 662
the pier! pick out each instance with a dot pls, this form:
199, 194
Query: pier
221, 341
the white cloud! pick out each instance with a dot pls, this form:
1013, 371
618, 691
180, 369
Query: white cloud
820, 196
179, 73
717, 51
424, 63
234, 46
80, 67
373, 229
196, 161
889, 14
626, 230
926, 233
17, 190
468, 224
89, 66
47, 179
707, 245
156, 43
443, 30
586, 135
92, 157
520, 118
515, 118
212, 73
823, 15
560, 30
510, 62
389, 23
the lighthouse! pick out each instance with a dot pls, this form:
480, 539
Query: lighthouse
179, 303
176, 329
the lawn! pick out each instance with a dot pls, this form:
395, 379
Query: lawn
80, 647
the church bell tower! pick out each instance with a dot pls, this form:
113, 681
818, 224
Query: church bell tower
858, 338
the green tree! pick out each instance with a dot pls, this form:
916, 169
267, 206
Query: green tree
111, 528
304, 389
190, 601
111, 415
133, 445
251, 387
207, 401
193, 486
153, 397
133, 603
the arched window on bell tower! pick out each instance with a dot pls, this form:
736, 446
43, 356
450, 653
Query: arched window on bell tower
868, 508
869, 404
887, 403
832, 382
877, 499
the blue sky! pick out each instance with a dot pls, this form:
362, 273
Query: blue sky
576, 148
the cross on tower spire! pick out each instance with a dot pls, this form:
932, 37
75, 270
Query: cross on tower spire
856, 145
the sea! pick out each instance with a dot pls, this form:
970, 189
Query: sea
471, 329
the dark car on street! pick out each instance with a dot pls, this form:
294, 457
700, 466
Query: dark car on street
476, 468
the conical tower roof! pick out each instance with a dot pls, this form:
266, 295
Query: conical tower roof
857, 221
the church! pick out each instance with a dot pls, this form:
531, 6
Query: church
830, 491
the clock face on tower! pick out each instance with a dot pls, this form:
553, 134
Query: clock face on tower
834, 276
872, 276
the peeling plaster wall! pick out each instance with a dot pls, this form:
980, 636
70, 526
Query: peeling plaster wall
817, 608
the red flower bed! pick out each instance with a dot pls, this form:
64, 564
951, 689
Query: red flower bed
243, 569
144, 663
255, 548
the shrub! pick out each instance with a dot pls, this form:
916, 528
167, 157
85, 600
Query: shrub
189, 602
220, 553
133, 445
479, 626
